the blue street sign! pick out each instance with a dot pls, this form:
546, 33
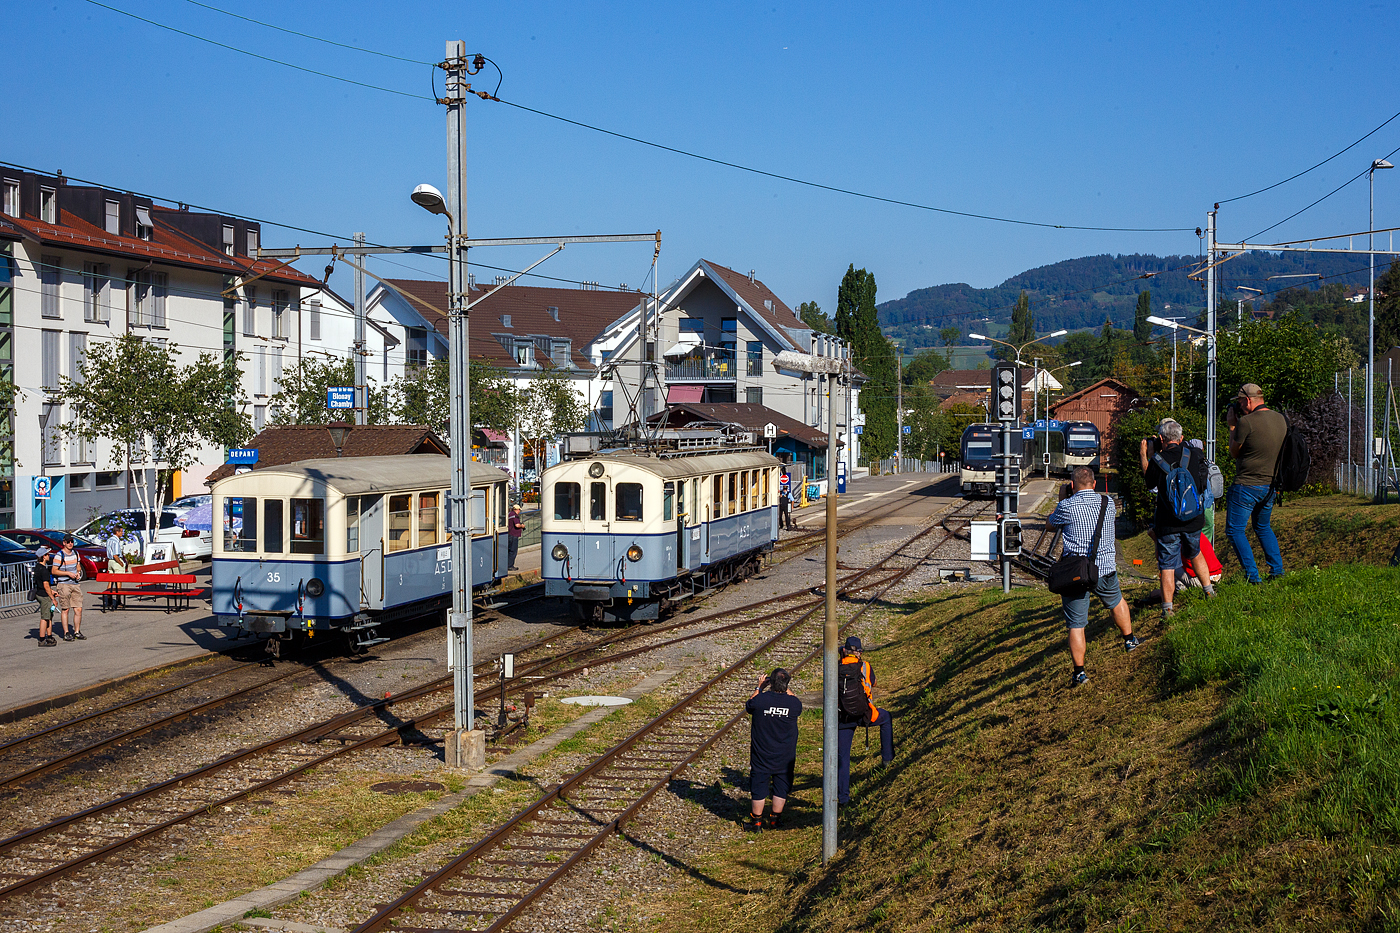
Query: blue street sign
42, 486
1056, 425
1028, 433
860, 429
243, 455
908, 429
340, 397
1042, 424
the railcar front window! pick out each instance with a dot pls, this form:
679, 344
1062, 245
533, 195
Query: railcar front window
628, 507
274, 530
400, 537
668, 502
427, 518
352, 525
1082, 441
241, 524
567, 501
308, 526
979, 450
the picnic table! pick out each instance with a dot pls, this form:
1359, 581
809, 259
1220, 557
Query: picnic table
151, 582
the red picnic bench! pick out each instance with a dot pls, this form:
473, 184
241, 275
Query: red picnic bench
150, 583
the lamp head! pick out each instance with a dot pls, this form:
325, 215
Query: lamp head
1058, 333
1075, 363
430, 199
1161, 321
1380, 163
977, 337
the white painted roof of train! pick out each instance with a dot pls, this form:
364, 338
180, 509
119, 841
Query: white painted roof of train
357, 475
671, 467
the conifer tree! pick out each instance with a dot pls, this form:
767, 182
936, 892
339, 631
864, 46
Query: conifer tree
1142, 329
856, 322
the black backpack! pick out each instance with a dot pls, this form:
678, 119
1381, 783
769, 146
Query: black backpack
850, 693
1294, 461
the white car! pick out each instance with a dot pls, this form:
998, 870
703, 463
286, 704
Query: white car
189, 543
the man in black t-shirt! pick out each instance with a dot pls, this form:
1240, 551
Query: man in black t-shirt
43, 585
1178, 541
772, 746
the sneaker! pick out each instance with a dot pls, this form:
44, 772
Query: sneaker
51, 641
80, 636
753, 824
1078, 680
1168, 610
1131, 642
68, 636
773, 822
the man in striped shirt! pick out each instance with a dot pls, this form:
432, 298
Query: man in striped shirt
1078, 516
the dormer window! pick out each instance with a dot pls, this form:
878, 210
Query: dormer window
560, 352
145, 227
228, 239
11, 197
113, 218
252, 242
524, 352
505, 320
48, 205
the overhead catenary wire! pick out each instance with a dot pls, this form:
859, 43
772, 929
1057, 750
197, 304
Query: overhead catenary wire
1318, 165
307, 35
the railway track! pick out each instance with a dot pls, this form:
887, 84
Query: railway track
497, 879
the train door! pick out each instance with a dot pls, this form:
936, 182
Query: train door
596, 548
682, 539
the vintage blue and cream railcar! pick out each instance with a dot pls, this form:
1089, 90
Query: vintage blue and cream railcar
629, 533
981, 458
348, 544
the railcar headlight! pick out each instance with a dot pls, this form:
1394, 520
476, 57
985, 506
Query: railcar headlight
560, 553
634, 553
595, 469
314, 587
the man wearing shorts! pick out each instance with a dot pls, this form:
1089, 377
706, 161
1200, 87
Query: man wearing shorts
1178, 541
43, 584
67, 571
1078, 516
772, 746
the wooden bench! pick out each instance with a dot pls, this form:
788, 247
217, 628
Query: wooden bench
174, 588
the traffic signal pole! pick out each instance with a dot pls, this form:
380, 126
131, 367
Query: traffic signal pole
1006, 399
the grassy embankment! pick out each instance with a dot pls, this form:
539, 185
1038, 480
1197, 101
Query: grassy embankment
1241, 771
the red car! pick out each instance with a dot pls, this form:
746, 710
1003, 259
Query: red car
92, 556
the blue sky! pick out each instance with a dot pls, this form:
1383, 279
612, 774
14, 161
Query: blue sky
1073, 113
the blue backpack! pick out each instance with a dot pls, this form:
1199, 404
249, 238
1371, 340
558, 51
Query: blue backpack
1180, 488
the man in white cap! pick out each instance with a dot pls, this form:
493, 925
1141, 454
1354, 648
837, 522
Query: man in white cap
1256, 438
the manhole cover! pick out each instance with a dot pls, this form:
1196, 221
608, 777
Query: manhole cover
596, 701
405, 787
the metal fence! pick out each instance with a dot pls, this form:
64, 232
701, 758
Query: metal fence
15, 581
910, 465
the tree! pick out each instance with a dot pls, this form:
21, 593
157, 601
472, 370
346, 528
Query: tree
1387, 310
1292, 361
814, 318
550, 407
423, 396
1142, 328
873, 355
950, 335
1022, 330
301, 393
135, 395
922, 368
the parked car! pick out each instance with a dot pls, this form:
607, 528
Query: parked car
12, 552
185, 503
189, 543
92, 555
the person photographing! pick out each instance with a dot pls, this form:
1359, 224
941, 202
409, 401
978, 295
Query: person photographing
1178, 473
1257, 433
772, 746
855, 695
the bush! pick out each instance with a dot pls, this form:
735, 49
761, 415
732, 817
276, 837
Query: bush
1138, 503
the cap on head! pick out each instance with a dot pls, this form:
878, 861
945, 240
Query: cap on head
41, 552
852, 643
69, 539
1250, 390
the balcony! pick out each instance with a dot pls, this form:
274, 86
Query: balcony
715, 366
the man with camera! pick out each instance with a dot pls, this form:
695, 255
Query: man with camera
855, 700
1257, 433
1180, 513
772, 746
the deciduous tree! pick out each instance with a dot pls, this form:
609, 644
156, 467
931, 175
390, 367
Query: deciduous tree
815, 318
301, 393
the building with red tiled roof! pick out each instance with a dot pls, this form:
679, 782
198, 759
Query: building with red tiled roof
81, 263
283, 444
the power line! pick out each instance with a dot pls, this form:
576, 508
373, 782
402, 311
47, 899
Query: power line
832, 188
274, 61
1318, 165
305, 35
1319, 200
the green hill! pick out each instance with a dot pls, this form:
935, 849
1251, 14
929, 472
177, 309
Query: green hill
1085, 292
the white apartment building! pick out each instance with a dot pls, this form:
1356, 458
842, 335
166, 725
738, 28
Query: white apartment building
81, 264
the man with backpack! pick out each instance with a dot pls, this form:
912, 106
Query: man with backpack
42, 593
1257, 436
855, 700
1178, 473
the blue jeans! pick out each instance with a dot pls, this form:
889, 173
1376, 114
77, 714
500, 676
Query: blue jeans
845, 732
1256, 503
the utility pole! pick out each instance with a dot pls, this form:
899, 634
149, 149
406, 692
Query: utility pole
899, 406
1211, 389
831, 631
361, 384
1174, 368
465, 746
850, 428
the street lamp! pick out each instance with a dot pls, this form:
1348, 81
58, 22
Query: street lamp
1371, 329
338, 431
1258, 293
1019, 350
1210, 378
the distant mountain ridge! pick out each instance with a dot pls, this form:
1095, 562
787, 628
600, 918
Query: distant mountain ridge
1083, 293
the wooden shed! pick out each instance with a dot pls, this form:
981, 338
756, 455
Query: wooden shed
1103, 403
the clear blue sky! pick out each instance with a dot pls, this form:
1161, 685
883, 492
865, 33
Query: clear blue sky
1088, 114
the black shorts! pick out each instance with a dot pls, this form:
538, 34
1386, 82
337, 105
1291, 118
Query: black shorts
761, 779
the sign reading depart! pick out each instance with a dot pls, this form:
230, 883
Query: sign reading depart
243, 455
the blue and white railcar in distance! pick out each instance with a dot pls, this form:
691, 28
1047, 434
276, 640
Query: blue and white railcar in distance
981, 458
1068, 445
348, 545
629, 533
